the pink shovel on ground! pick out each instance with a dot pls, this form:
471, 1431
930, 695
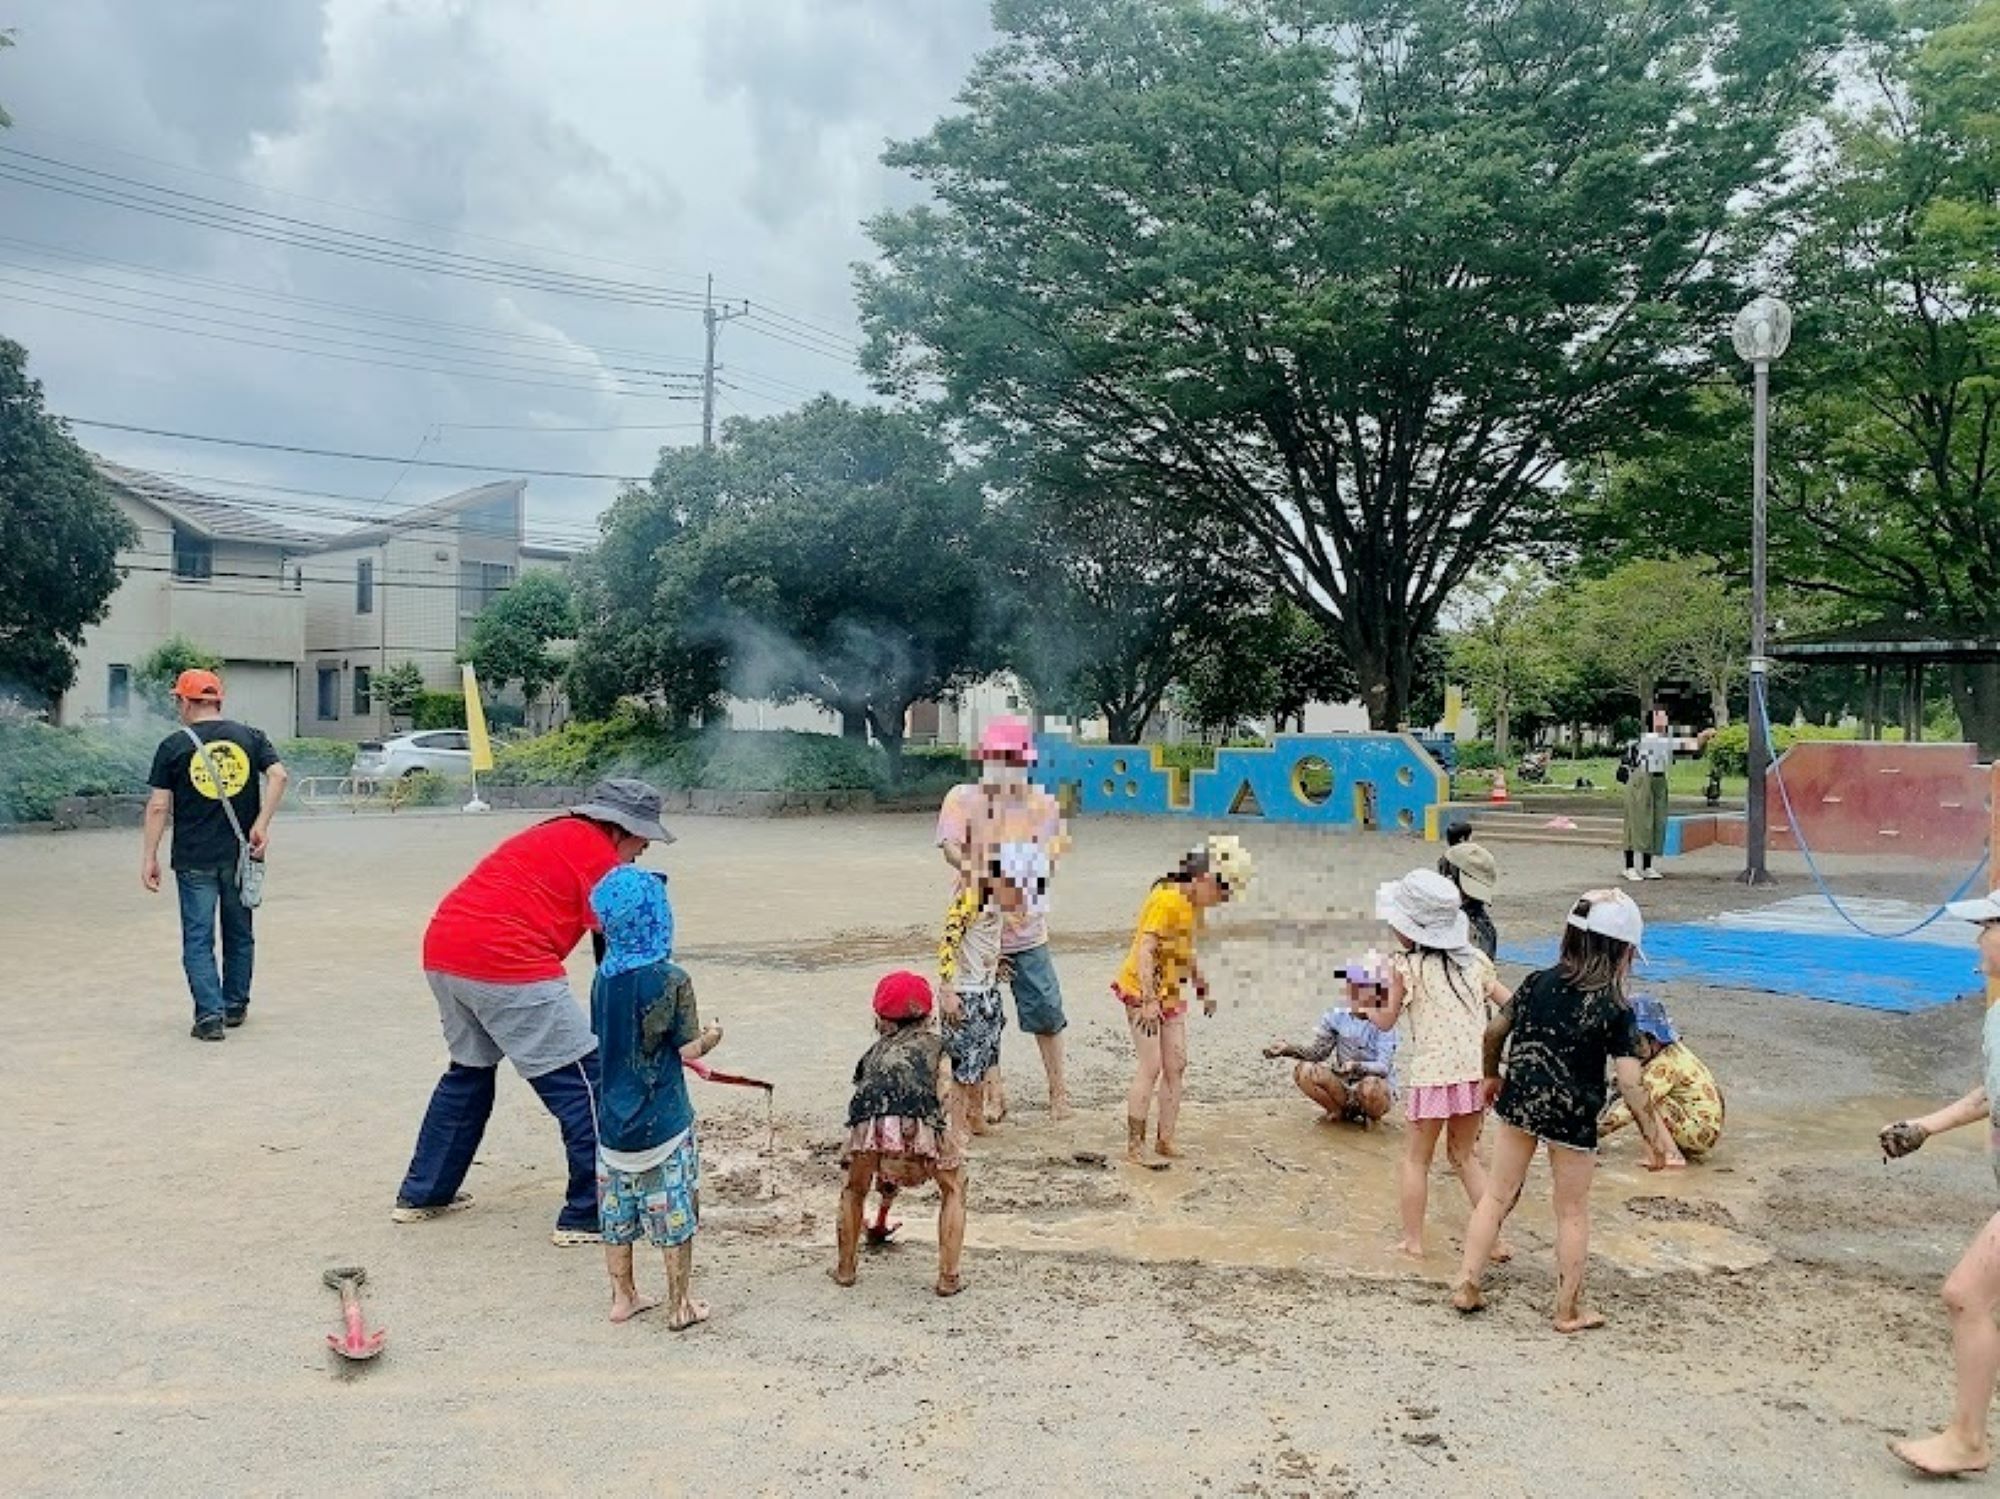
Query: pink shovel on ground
353, 1341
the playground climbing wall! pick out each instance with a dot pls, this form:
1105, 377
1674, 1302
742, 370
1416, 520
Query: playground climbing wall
1360, 781
1867, 797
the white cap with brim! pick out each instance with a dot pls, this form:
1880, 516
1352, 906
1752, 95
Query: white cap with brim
1424, 906
1982, 910
1613, 914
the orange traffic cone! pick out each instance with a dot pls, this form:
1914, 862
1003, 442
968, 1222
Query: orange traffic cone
1499, 791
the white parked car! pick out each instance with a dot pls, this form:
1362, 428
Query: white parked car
445, 752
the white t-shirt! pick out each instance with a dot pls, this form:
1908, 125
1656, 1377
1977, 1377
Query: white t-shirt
1656, 753
635, 1161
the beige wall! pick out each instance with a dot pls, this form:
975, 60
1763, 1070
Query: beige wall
248, 613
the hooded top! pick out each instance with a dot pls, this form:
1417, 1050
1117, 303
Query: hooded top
631, 907
642, 1008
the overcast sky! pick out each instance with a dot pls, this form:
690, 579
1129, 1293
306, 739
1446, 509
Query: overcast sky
643, 142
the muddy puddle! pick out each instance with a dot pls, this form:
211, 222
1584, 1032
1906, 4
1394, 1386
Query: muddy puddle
1265, 1185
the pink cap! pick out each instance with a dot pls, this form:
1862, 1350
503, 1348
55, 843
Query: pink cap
1007, 738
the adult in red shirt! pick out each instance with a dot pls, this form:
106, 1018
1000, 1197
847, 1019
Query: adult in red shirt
494, 955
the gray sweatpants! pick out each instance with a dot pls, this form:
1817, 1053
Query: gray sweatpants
537, 1026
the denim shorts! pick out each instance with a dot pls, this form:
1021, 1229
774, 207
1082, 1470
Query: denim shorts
1037, 992
660, 1204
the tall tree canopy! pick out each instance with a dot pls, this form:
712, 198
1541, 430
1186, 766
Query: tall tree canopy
836, 553
1358, 277
59, 538
1885, 442
511, 639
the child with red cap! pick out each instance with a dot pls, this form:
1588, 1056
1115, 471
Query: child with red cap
896, 1133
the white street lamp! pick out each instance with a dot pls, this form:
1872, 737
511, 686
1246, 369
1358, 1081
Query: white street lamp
1762, 333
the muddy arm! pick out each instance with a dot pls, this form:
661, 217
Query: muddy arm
1498, 1029
1632, 1087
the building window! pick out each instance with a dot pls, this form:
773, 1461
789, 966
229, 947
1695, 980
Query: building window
364, 586
329, 694
479, 584
118, 692
194, 557
364, 698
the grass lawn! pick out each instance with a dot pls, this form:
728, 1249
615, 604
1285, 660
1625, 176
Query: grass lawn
1689, 777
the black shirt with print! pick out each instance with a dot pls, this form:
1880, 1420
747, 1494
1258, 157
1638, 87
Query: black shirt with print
202, 835
1562, 1041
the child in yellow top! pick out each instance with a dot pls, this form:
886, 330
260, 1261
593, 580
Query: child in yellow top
1159, 965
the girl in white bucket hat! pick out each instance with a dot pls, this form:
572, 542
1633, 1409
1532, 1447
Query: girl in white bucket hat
1563, 1024
1445, 988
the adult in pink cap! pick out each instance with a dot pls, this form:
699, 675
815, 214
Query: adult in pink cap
1004, 806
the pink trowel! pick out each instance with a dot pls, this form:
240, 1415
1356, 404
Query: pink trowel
354, 1341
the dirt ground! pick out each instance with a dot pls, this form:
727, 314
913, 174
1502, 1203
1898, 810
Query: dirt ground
1236, 1326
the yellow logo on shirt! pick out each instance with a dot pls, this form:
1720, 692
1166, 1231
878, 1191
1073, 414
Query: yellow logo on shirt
230, 763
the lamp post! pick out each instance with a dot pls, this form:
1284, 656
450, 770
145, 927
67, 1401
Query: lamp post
1762, 333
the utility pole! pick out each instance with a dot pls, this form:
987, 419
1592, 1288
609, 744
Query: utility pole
1762, 333
712, 319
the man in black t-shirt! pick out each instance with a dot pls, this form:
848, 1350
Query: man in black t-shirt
206, 850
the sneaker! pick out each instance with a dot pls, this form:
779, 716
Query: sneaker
234, 1018
1634, 876
409, 1212
572, 1238
207, 1030
1654, 874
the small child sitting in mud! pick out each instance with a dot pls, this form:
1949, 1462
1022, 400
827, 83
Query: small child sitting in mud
1016, 878
897, 1135
642, 1008
1683, 1090
1972, 1290
1345, 1067
1160, 961
1559, 1029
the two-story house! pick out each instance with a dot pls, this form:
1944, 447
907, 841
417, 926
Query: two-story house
219, 574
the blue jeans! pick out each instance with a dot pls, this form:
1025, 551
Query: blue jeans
455, 1123
205, 895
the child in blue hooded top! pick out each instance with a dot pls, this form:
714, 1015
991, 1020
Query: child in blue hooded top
642, 1008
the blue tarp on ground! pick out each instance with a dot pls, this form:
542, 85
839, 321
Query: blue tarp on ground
1899, 976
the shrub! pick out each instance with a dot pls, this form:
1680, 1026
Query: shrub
39, 765
421, 788
437, 710
1477, 754
1729, 750
316, 757
634, 742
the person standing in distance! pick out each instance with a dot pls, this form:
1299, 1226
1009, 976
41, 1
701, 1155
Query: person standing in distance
207, 855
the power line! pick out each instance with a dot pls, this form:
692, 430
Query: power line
500, 359
279, 447
621, 393
540, 431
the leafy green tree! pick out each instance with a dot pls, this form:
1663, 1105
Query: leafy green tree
1885, 443
1270, 661
399, 688
153, 678
1362, 279
511, 638
59, 538
1502, 650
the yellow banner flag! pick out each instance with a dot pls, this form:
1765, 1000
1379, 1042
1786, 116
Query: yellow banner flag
475, 723
1454, 708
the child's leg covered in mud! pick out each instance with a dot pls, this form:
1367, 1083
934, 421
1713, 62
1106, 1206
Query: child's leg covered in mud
1513, 1150
1173, 1076
1971, 1297
1573, 1170
1139, 1098
861, 1168
951, 1230
1413, 1181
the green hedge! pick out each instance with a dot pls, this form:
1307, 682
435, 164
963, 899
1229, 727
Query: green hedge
636, 744
1729, 750
316, 757
1476, 754
40, 765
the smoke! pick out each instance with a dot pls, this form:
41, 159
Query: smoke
860, 666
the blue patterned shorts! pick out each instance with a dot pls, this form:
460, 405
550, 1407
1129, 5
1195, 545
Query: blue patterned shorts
659, 1203
973, 1044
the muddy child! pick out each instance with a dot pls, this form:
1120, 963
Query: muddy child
1442, 990
1558, 1032
1160, 968
1684, 1092
1015, 876
1972, 1290
1345, 1067
897, 1134
642, 1007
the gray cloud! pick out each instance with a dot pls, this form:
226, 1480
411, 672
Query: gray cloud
653, 143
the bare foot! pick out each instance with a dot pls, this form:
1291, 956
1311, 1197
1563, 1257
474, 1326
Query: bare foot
1580, 1321
1328, 1116
1943, 1455
1466, 1297
1166, 1148
693, 1313
1502, 1252
1411, 1249
843, 1278
624, 1308
1058, 1110
950, 1285
977, 1126
996, 1113
1138, 1155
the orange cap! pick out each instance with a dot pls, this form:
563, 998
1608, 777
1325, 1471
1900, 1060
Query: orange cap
198, 686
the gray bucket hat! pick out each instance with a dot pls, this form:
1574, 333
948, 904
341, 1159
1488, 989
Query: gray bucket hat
631, 805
